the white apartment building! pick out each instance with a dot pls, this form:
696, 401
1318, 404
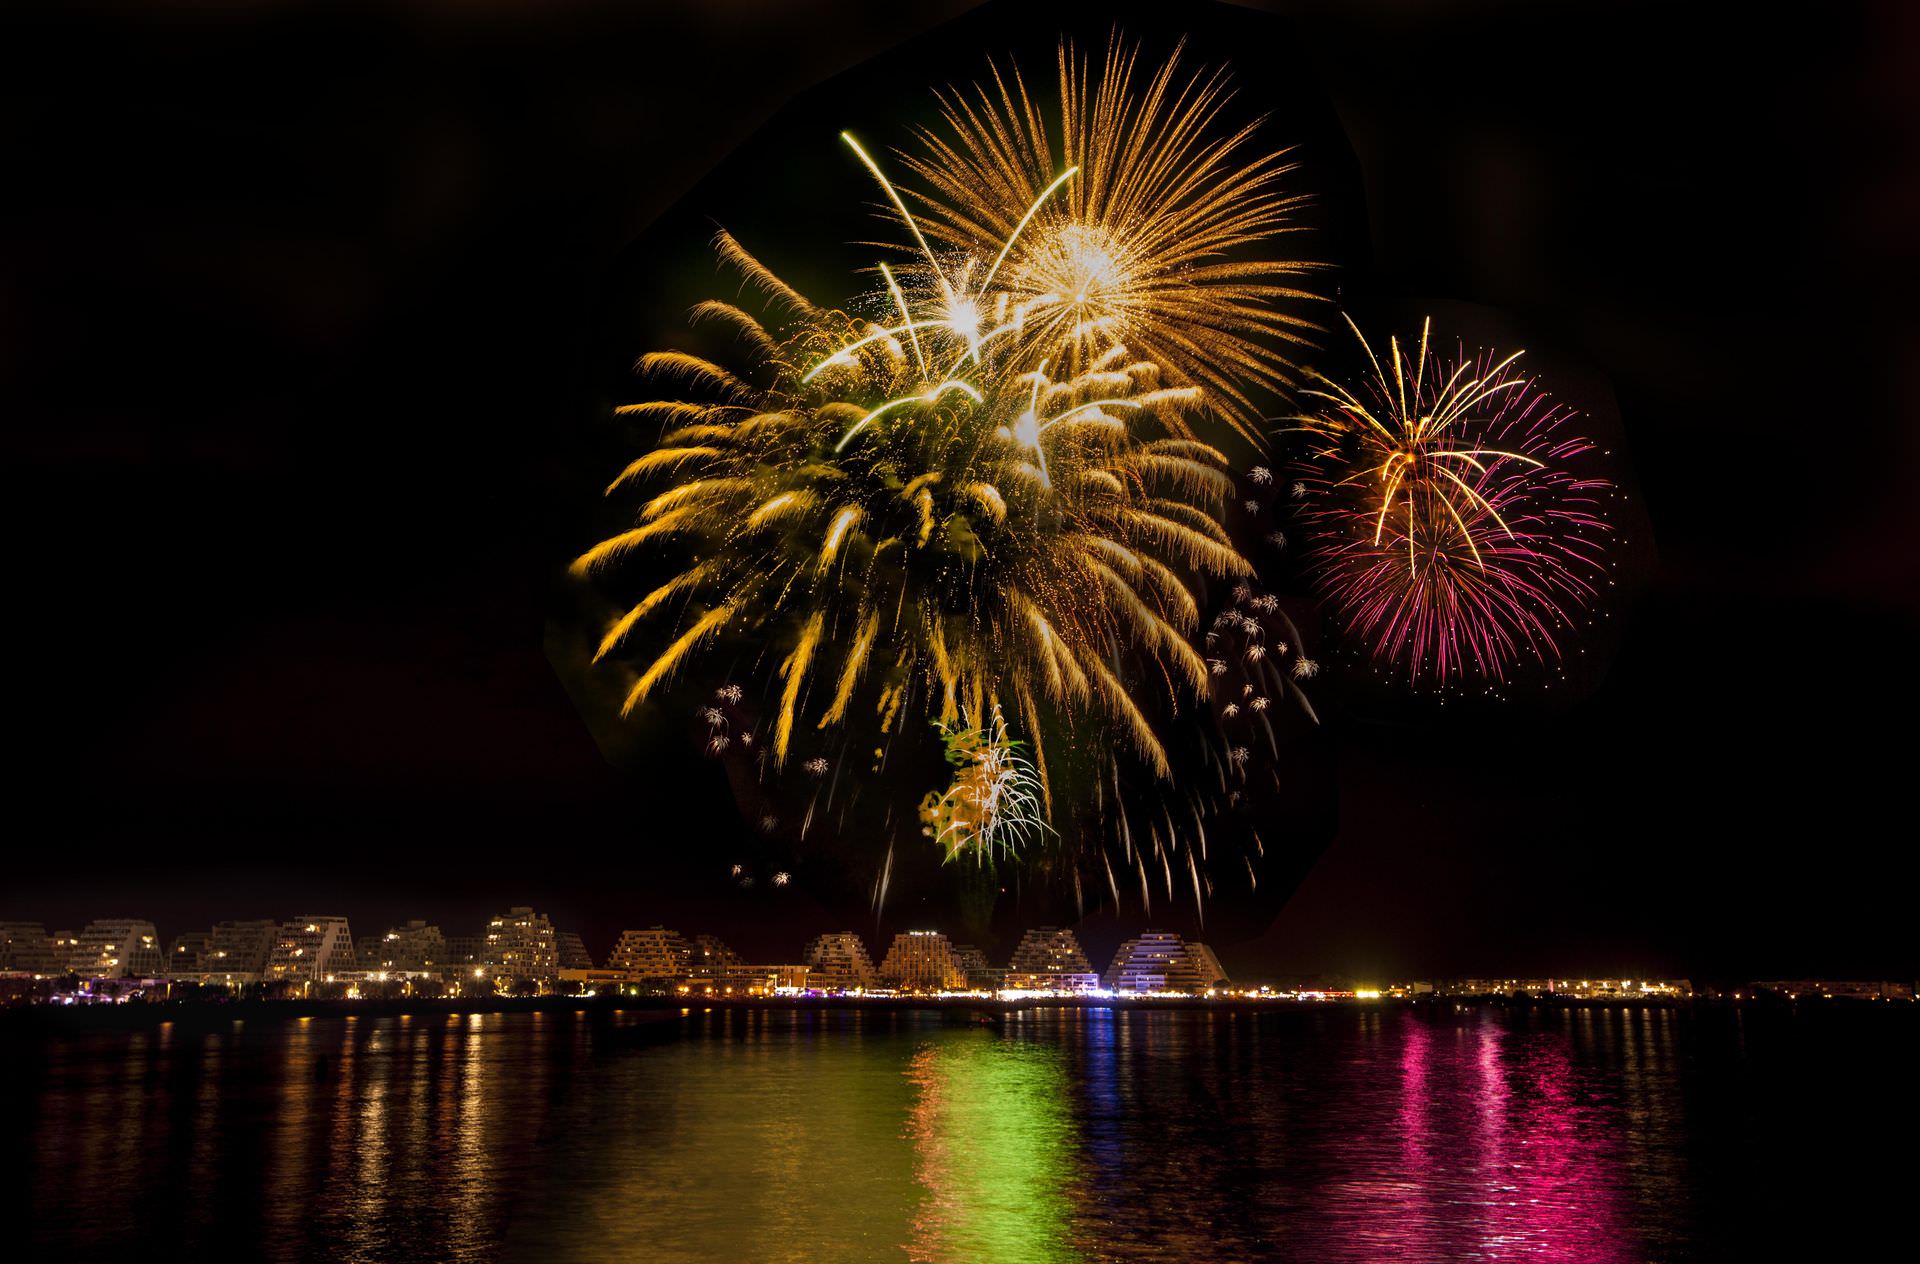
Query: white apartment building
656, 955
521, 945
1160, 961
838, 961
922, 961
1050, 959
116, 948
308, 949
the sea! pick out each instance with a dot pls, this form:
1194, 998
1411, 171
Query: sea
808, 1134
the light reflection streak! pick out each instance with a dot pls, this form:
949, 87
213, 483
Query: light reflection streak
368, 1152
289, 1146
992, 1140
469, 1186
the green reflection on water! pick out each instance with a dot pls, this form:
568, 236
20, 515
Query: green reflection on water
994, 1141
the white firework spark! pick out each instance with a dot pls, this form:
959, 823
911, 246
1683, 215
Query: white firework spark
995, 806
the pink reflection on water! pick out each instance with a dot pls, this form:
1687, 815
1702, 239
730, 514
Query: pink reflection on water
1505, 1149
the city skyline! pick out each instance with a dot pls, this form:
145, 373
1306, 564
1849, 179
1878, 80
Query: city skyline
522, 953
522, 943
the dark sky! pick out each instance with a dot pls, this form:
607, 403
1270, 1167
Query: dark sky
298, 326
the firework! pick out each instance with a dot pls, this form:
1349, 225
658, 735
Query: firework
1251, 648
980, 500
1129, 214
993, 808
1452, 535
890, 536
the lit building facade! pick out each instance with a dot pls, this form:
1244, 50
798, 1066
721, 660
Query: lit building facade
922, 961
413, 947
980, 974
188, 952
308, 949
1623, 989
243, 948
231, 954
838, 962
1571, 989
116, 948
521, 945
26, 948
709, 958
1157, 961
740, 979
1050, 959
1209, 966
1838, 989
65, 943
655, 957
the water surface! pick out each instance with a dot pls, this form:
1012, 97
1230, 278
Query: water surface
1337, 1134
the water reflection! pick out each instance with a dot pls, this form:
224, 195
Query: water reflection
344, 1139
1096, 1135
747, 1136
994, 1145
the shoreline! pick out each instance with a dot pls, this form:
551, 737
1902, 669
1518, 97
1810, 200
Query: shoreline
145, 1014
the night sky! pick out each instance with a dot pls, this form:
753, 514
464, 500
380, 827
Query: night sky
304, 329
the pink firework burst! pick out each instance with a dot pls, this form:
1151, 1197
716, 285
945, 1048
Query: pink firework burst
1451, 534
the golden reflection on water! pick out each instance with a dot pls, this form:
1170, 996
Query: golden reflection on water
741, 1139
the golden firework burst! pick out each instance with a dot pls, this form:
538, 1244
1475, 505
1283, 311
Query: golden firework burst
1125, 212
888, 533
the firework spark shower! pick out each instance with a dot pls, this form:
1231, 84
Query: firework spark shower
995, 494
1453, 533
990, 478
